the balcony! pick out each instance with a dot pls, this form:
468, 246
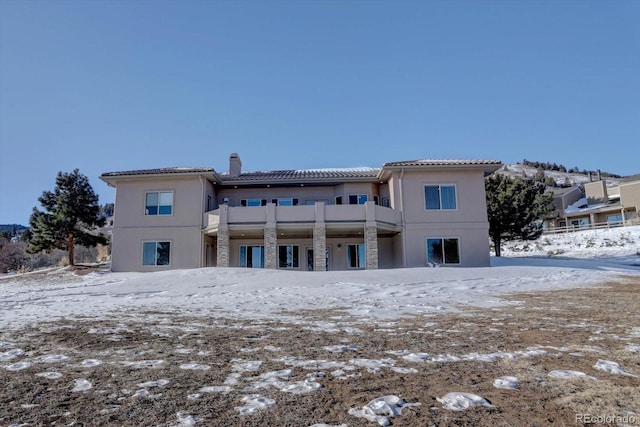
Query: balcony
303, 217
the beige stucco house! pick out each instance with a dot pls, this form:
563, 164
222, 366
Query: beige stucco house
605, 206
404, 214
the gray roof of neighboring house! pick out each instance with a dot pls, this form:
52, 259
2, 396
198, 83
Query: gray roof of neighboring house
304, 174
631, 178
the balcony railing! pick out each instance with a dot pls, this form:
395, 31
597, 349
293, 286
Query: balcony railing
238, 215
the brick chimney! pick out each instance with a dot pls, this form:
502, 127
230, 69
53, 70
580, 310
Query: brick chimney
235, 165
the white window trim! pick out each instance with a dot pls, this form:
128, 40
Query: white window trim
424, 197
156, 242
173, 202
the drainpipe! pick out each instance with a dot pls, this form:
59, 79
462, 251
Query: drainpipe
404, 231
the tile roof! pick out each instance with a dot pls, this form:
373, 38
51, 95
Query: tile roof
446, 162
159, 171
304, 174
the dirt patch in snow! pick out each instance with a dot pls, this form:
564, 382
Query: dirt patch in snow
162, 369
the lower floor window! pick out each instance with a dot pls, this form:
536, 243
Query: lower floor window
252, 256
582, 222
443, 251
614, 219
156, 253
288, 256
356, 256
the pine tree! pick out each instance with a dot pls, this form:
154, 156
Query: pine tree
515, 208
70, 216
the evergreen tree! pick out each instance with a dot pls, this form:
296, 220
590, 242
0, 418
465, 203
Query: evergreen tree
71, 214
515, 208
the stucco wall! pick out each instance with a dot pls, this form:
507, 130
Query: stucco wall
185, 252
182, 228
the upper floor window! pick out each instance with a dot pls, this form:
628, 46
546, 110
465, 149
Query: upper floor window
253, 202
357, 199
156, 253
285, 201
439, 197
159, 203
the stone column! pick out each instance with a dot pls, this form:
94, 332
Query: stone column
319, 239
270, 246
223, 246
371, 236
270, 238
371, 245
319, 247
223, 238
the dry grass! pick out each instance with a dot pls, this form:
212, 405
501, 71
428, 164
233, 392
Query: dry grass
578, 326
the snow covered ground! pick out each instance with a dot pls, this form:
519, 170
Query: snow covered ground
552, 262
243, 339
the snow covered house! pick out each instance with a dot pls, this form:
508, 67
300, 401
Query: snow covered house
404, 214
604, 205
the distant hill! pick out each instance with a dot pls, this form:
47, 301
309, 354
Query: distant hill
13, 229
561, 178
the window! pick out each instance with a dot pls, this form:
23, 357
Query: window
385, 202
252, 256
288, 256
338, 200
208, 203
253, 202
614, 219
440, 197
313, 202
286, 201
357, 199
582, 222
156, 253
159, 203
356, 256
443, 251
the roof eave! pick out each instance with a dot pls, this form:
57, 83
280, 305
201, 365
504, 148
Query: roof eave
487, 167
112, 179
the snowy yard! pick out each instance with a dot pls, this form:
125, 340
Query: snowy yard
549, 335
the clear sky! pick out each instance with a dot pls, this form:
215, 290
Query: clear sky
117, 85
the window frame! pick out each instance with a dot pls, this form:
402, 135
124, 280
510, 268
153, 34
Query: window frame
158, 205
362, 263
262, 256
295, 257
443, 254
253, 202
440, 198
358, 198
156, 242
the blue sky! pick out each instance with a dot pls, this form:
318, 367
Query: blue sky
117, 85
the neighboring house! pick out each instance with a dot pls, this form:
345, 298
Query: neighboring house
603, 205
563, 197
404, 214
